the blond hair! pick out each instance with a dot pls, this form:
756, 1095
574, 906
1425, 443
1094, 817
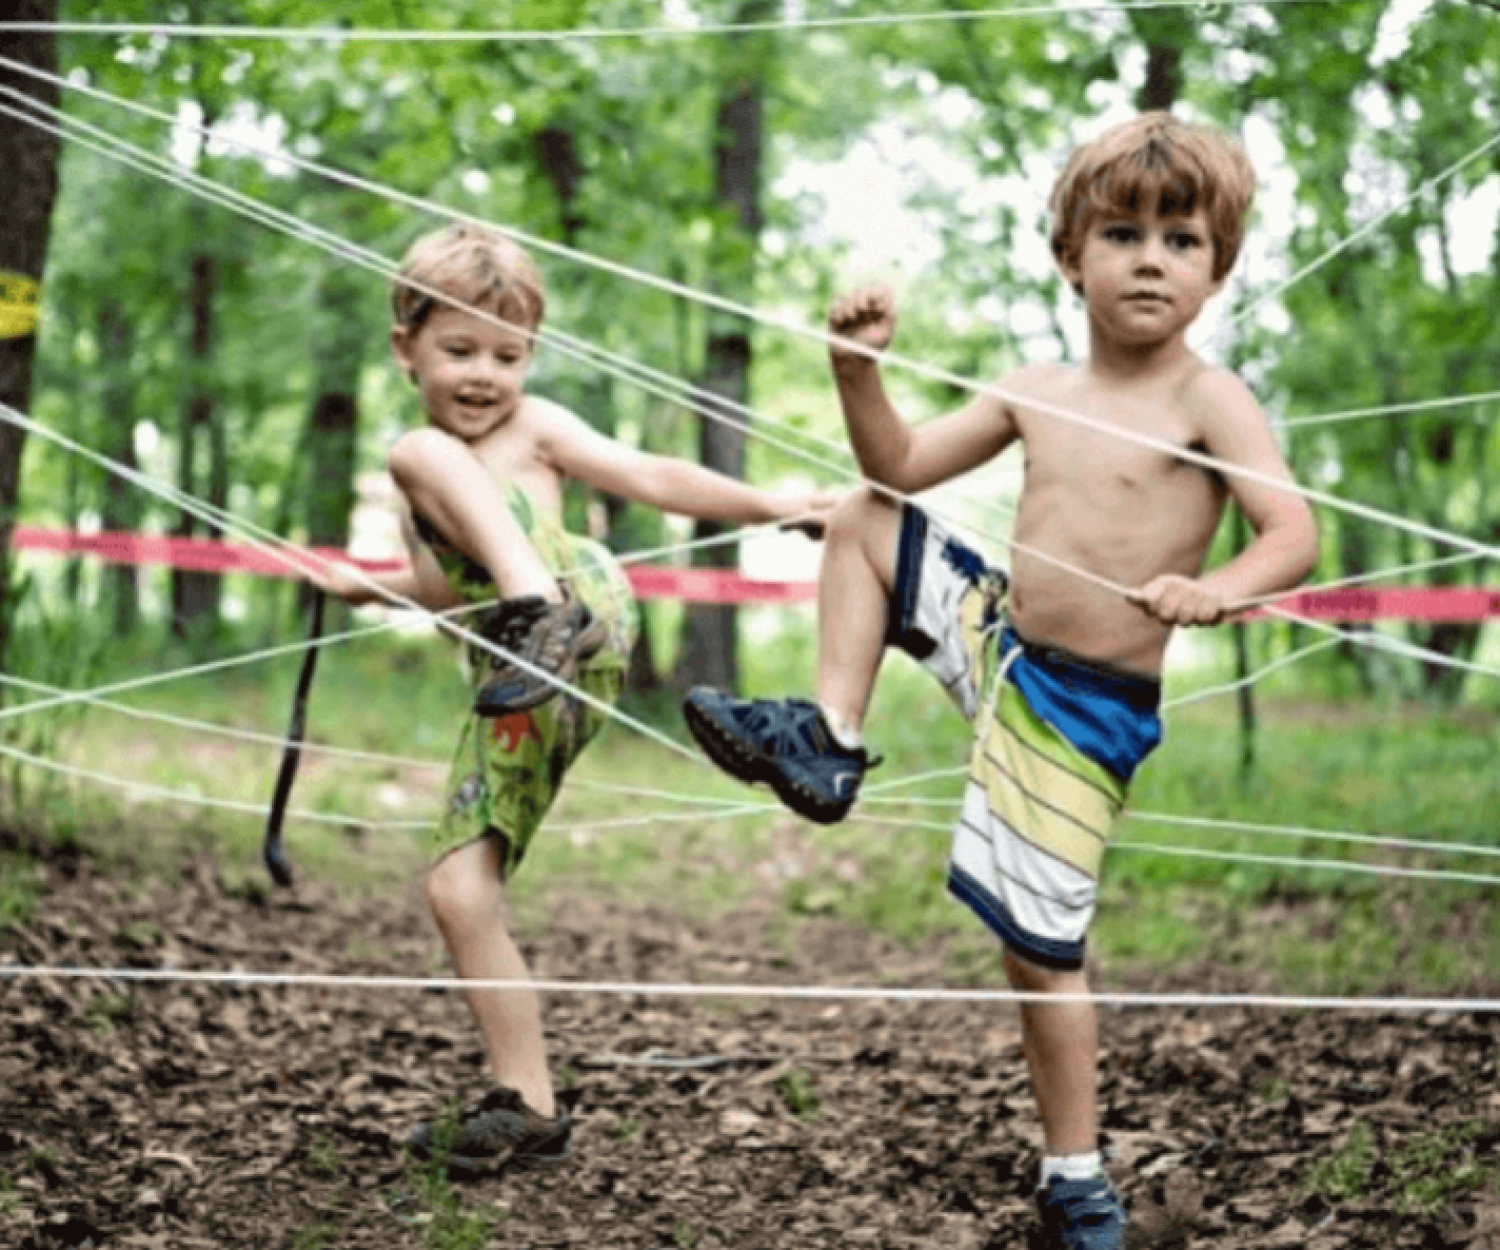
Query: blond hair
1155, 162
474, 267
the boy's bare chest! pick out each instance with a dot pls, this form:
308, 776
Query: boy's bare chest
1128, 450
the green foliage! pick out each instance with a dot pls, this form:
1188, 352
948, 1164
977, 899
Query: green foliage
1423, 1174
1431, 1169
323, 1157
1345, 1173
446, 1223
105, 1010
796, 1090
20, 888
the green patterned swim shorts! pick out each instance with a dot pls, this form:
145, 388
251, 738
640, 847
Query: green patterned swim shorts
508, 770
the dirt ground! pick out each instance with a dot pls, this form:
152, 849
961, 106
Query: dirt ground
205, 1115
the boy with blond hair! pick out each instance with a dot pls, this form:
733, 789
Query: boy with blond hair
1059, 674
483, 485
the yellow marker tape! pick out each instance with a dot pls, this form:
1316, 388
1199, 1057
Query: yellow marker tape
20, 305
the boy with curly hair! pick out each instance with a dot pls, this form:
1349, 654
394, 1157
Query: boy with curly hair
483, 485
1059, 673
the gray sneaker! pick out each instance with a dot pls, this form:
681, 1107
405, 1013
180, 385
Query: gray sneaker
552, 637
495, 1132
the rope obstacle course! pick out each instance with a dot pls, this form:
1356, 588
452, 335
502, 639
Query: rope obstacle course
684, 393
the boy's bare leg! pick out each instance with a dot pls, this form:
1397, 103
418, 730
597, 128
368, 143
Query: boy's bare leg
854, 585
1061, 1043
445, 482
467, 900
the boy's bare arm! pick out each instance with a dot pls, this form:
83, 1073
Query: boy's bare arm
679, 486
890, 451
1285, 547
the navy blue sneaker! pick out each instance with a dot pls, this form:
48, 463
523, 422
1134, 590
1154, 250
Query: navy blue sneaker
785, 743
1081, 1215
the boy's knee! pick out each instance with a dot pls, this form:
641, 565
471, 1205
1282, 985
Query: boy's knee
421, 452
858, 513
1025, 975
454, 891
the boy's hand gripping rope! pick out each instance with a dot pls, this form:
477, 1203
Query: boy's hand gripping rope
273, 853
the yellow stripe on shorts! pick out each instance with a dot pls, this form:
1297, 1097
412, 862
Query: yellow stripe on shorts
1041, 787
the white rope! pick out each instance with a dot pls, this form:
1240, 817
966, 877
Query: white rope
1285, 661
249, 530
1368, 227
308, 980
341, 35
161, 794
1379, 841
1387, 410
380, 264
708, 299
707, 403
729, 809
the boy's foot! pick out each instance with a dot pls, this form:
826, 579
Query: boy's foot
1081, 1215
498, 1130
552, 637
785, 743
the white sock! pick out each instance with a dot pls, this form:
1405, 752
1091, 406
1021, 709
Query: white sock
1072, 1167
847, 737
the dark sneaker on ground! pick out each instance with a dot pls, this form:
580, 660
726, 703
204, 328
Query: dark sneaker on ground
785, 743
552, 637
1081, 1215
497, 1131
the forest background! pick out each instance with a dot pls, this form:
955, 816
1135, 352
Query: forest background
249, 369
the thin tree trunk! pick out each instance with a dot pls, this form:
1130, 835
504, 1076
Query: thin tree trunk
29, 158
195, 596
122, 501
708, 654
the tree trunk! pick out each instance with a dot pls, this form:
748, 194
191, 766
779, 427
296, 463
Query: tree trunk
328, 455
195, 596
29, 158
122, 501
708, 655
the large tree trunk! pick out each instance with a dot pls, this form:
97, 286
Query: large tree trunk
29, 158
708, 654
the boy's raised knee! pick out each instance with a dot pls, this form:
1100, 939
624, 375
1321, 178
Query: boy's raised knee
421, 452
857, 512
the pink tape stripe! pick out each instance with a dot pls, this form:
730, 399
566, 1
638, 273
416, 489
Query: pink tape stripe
1435, 604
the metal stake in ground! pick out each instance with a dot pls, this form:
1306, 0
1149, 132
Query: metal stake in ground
273, 853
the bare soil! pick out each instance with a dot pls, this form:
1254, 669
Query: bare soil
208, 1115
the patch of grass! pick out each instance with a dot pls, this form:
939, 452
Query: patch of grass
1429, 1170
317, 1236
796, 1090
684, 1235
323, 1157
105, 1010
446, 1224
1345, 1173
628, 1129
20, 889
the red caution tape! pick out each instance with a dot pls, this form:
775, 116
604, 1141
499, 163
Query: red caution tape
1351, 604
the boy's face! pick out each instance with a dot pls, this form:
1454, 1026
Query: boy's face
470, 370
1145, 277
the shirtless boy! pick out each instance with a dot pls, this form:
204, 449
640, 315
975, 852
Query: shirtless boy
483, 482
1058, 672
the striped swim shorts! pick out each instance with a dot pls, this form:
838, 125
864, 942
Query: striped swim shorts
1057, 738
